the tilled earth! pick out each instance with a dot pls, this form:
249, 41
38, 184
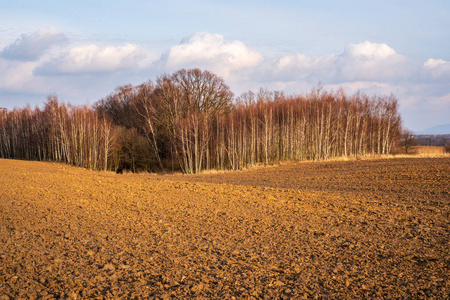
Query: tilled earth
326, 230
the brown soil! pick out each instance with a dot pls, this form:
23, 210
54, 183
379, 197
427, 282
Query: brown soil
328, 230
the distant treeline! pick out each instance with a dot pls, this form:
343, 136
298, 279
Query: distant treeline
190, 121
433, 139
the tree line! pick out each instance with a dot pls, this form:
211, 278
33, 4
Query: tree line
190, 121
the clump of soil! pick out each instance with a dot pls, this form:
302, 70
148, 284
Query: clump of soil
357, 229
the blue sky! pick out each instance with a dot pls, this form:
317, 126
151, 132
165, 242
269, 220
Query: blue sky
82, 50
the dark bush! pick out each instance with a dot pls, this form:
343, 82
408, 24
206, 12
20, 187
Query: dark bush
447, 148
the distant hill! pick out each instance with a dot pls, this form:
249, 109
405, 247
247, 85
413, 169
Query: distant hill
439, 129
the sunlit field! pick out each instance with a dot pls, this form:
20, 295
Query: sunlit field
372, 228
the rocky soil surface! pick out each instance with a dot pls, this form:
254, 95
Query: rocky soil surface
326, 230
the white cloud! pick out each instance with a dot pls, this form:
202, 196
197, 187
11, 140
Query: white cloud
300, 66
32, 46
437, 68
96, 59
363, 61
432, 63
15, 75
211, 51
368, 51
371, 61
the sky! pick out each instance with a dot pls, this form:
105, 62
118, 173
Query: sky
81, 51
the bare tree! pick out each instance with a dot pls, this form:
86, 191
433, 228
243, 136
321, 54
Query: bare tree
408, 140
190, 100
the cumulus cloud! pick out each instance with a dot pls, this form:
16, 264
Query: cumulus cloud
368, 51
300, 66
437, 68
15, 75
363, 61
30, 47
211, 51
372, 61
29, 65
95, 59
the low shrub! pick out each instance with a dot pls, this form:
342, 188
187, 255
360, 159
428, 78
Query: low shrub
447, 148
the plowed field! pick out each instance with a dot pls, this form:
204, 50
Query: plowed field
327, 230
